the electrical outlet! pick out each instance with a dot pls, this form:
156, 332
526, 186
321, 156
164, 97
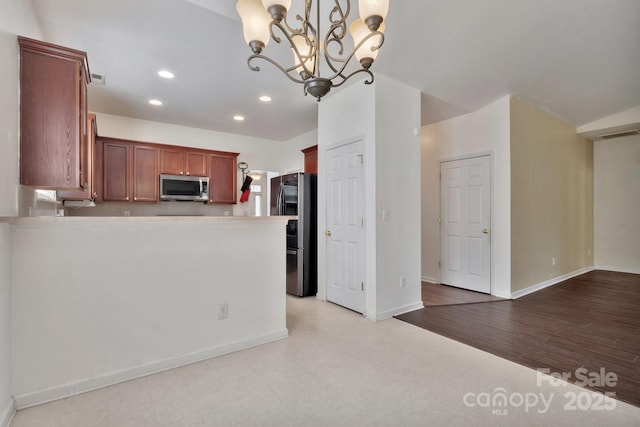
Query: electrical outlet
403, 281
223, 311
553, 261
127, 213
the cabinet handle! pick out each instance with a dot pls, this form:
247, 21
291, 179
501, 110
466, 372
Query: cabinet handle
126, 198
187, 173
181, 173
135, 198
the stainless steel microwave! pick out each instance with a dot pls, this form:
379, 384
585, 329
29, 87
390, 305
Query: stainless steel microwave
184, 188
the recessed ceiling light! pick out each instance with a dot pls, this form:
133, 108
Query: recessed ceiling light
156, 102
166, 74
238, 118
265, 98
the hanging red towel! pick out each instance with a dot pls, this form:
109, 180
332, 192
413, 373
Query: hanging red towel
246, 189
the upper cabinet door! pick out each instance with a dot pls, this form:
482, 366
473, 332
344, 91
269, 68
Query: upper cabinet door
223, 176
145, 173
88, 153
172, 161
311, 159
116, 169
196, 163
53, 115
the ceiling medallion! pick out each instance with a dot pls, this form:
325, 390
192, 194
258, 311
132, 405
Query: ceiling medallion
263, 20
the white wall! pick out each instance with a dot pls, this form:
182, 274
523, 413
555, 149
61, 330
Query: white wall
617, 203
392, 181
16, 18
484, 131
397, 171
293, 159
112, 299
6, 401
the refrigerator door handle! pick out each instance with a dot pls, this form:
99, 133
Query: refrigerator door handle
281, 200
291, 252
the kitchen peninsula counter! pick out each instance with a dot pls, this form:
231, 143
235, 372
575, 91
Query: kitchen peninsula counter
101, 300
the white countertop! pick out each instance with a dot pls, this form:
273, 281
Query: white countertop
146, 219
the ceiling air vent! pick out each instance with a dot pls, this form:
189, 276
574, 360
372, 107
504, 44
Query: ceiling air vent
619, 134
98, 79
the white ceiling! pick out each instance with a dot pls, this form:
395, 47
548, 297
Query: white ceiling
578, 59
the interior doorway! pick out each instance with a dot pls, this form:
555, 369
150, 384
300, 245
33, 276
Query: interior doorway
465, 223
345, 233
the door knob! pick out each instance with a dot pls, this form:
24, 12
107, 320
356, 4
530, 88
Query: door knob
485, 231
327, 233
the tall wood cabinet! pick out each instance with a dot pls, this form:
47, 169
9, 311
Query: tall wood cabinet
311, 159
53, 115
223, 178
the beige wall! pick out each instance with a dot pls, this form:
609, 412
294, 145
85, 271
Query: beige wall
551, 197
617, 203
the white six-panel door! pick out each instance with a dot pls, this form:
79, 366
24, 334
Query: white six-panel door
465, 221
345, 232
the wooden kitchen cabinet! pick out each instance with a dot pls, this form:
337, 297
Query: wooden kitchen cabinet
116, 176
223, 178
53, 116
145, 174
183, 161
87, 152
311, 159
129, 171
196, 162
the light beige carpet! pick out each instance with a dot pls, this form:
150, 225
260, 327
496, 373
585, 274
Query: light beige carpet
337, 369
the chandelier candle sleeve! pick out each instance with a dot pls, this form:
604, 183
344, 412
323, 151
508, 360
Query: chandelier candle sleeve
373, 12
314, 52
256, 21
367, 52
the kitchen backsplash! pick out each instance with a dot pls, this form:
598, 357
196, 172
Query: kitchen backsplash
152, 209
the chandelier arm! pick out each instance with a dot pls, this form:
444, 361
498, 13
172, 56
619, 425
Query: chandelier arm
341, 21
361, 70
285, 71
331, 61
303, 59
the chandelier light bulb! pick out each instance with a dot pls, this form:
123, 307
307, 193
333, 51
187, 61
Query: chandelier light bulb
306, 57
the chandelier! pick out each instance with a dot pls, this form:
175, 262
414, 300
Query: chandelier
263, 20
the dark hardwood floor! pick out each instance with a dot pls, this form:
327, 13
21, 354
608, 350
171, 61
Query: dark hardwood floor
591, 322
434, 295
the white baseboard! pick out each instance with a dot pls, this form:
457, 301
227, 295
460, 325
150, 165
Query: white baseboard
429, 279
6, 415
394, 312
71, 389
550, 282
618, 269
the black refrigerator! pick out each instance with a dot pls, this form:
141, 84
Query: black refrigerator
295, 194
